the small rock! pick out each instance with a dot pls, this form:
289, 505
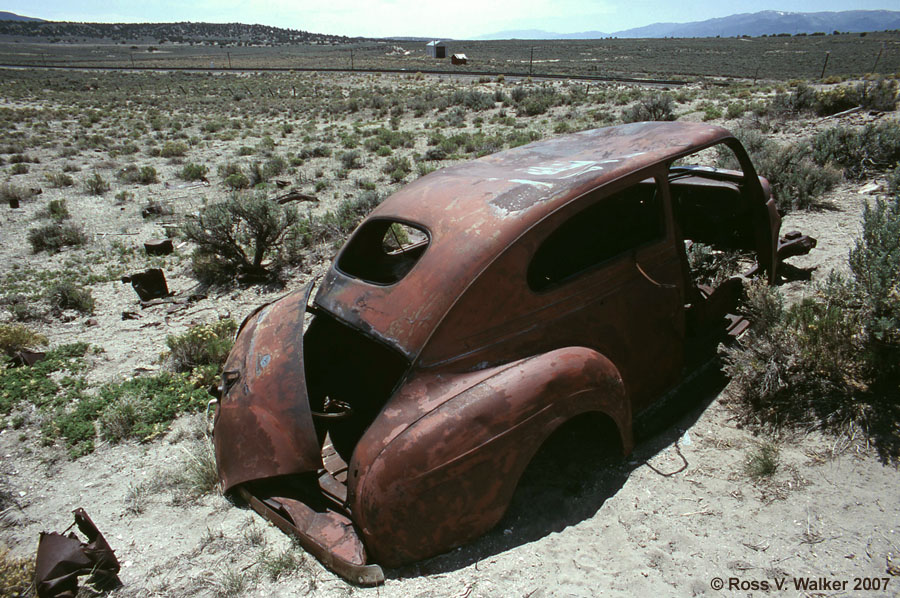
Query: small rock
91, 322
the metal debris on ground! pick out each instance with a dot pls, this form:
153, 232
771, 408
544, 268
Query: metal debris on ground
158, 246
149, 285
62, 559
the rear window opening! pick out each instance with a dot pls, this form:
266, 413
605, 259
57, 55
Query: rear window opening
383, 251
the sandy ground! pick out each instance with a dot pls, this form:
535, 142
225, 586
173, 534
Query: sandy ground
672, 519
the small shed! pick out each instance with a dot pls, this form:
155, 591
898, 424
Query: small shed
459, 59
436, 49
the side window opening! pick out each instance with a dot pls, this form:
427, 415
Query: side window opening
610, 227
383, 251
710, 207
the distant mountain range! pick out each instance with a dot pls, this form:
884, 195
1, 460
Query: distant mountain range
11, 16
768, 22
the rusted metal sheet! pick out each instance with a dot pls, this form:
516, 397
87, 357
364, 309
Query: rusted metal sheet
264, 424
397, 423
150, 284
62, 559
158, 246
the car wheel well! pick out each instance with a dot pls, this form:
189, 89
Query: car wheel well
573, 453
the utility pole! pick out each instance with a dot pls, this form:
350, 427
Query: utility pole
229, 60
531, 63
351, 59
827, 54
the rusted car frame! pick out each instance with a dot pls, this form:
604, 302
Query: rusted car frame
469, 316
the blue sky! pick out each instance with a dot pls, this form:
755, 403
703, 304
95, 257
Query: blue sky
426, 18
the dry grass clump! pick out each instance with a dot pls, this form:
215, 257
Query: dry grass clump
16, 337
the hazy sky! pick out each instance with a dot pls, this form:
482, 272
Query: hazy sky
426, 18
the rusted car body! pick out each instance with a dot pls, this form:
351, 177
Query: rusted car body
391, 418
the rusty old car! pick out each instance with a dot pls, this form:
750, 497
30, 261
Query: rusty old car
467, 318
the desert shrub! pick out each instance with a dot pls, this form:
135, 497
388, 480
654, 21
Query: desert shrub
239, 235
858, 150
262, 172
96, 184
880, 94
795, 177
54, 236
193, 172
422, 169
398, 168
801, 99
831, 360
838, 99
653, 106
536, 101
236, 181
60, 179
229, 168
173, 149
19, 168
875, 263
144, 175
712, 112
67, 294
15, 338
735, 110
472, 99
776, 366
55, 210
203, 344
337, 224
894, 181
351, 160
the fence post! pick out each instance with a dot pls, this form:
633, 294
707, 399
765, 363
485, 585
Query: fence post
827, 54
874, 66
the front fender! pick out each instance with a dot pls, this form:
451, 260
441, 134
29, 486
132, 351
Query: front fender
448, 476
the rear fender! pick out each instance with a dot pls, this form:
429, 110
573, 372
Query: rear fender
449, 476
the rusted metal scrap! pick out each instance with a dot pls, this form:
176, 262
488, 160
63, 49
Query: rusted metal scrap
26, 357
473, 313
158, 246
149, 285
62, 559
294, 196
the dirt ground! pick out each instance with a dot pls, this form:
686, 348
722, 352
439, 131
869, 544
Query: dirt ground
675, 518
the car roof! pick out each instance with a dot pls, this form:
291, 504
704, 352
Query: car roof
474, 210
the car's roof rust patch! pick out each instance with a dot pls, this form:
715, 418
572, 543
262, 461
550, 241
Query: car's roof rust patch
475, 210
